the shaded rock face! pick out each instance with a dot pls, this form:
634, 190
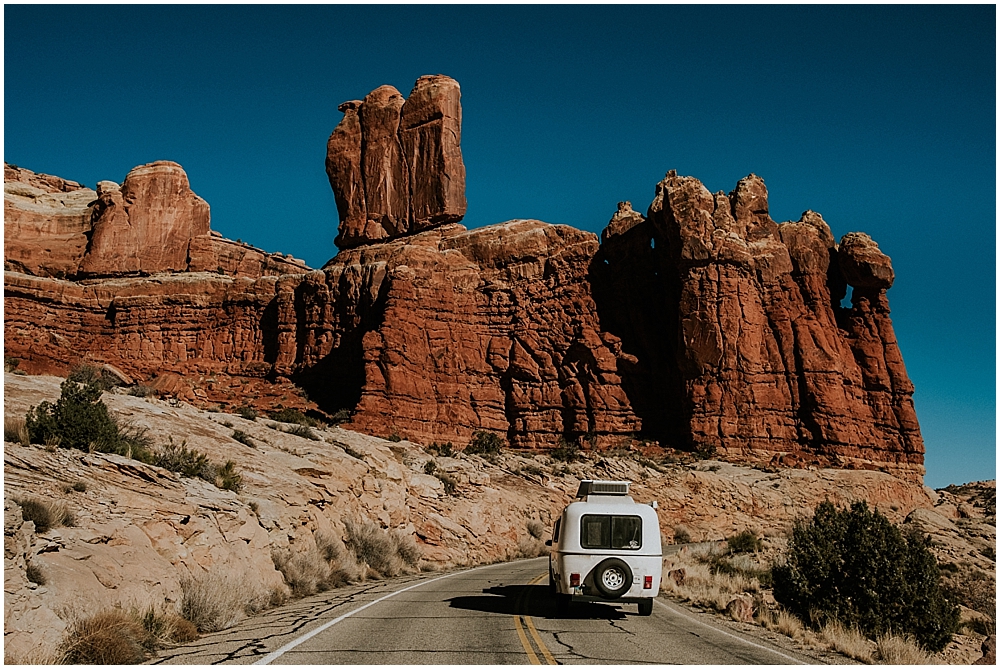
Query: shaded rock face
740, 342
396, 166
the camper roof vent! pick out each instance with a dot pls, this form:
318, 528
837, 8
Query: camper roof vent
602, 488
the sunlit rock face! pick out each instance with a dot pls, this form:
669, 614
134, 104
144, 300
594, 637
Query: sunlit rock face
395, 165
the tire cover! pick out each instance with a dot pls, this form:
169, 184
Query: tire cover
620, 571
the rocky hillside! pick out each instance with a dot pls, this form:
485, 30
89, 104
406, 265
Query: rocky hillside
141, 536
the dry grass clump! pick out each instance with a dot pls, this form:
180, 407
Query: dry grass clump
15, 430
406, 548
700, 585
372, 547
45, 514
218, 600
115, 636
891, 649
781, 622
848, 641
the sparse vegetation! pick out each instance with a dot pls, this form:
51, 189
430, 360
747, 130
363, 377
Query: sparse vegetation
302, 431
682, 535
429, 467
15, 430
35, 574
536, 529
218, 600
243, 438
194, 464
394, 437
140, 390
744, 542
854, 566
443, 450
76, 486
486, 444
45, 513
566, 451
293, 416
115, 636
341, 416
90, 375
247, 412
383, 552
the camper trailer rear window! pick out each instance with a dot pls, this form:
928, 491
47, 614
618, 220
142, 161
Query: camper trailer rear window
618, 532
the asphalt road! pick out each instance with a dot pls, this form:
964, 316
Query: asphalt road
499, 614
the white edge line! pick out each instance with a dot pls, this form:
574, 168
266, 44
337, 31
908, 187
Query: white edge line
738, 638
274, 655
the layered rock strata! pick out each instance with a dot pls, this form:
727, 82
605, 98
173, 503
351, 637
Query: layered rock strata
152, 223
396, 166
703, 325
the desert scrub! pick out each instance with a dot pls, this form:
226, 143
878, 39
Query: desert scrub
302, 431
394, 438
243, 438
45, 513
293, 416
688, 575
383, 552
856, 567
744, 542
317, 569
15, 430
486, 444
115, 636
218, 600
341, 416
247, 412
140, 390
566, 451
35, 574
532, 545
90, 375
444, 450
192, 463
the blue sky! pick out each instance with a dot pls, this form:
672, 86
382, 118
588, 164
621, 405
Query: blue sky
880, 118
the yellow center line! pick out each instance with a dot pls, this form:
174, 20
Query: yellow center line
520, 633
531, 628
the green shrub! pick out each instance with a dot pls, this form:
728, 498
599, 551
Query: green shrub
681, 535
342, 416
302, 431
566, 451
744, 542
243, 438
485, 443
854, 566
89, 375
444, 450
247, 412
141, 391
394, 437
79, 419
429, 467
292, 416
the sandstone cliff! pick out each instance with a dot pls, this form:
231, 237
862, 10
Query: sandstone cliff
152, 223
703, 325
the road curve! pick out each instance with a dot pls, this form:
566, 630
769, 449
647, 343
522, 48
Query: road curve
498, 614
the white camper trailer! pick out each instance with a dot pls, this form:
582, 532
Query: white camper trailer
606, 548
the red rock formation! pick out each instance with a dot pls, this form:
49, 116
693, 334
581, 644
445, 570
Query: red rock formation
147, 225
396, 167
152, 223
767, 361
704, 325
46, 222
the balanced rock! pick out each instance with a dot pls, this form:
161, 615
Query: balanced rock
396, 166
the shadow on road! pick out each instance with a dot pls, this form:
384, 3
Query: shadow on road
533, 600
